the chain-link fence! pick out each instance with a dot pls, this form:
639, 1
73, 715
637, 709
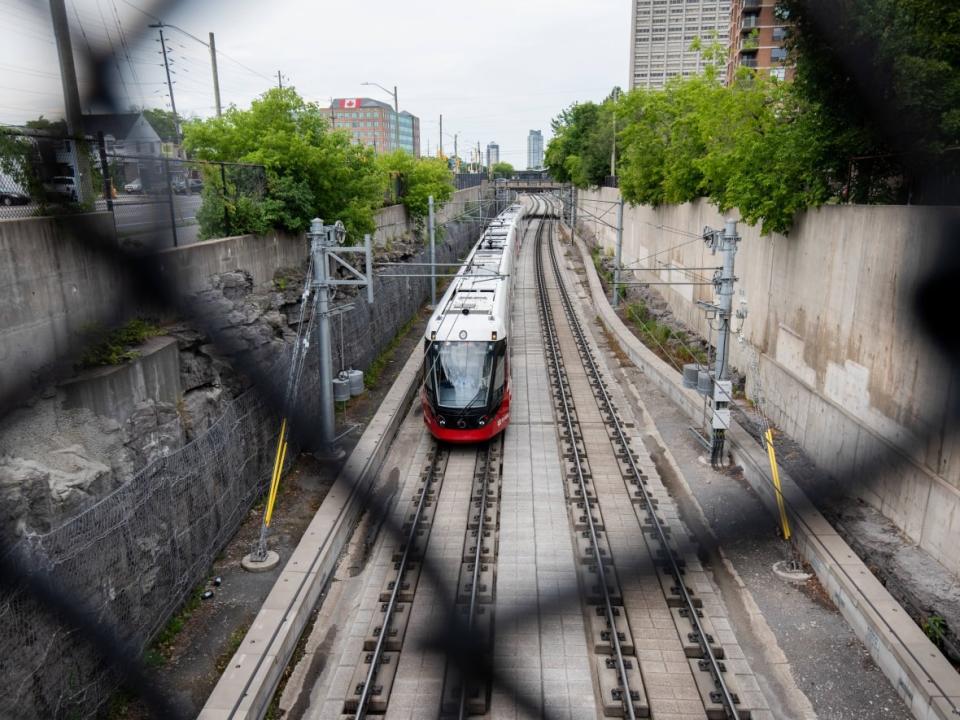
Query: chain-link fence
156, 201
462, 181
49, 605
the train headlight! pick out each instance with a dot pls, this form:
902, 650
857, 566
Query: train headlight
482, 421
441, 420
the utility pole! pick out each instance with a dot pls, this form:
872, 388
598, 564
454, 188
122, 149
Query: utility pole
613, 152
326, 244
615, 298
433, 254
166, 67
441, 136
216, 76
479, 159
71, 97
279, 80
725, 242
456, 155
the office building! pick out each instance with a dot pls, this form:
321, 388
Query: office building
758, 32
662, 32
373, 123
493, 154
534, 150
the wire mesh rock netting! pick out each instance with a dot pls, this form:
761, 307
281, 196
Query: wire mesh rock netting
130, 560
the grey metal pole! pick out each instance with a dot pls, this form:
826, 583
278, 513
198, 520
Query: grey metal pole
616, 268
318, 248
396, 112
368, 255
433, 254
725, 293
216, 76
71, 98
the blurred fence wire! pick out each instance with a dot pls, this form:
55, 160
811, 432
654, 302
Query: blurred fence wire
54, 607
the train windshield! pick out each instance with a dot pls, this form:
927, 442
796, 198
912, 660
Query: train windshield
460, 373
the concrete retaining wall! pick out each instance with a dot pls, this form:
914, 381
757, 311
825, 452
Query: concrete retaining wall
52, 286
842, 367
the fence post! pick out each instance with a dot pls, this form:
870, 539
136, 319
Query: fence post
105, 171
173, 213
223, 197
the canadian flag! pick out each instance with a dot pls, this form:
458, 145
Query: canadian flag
350, 103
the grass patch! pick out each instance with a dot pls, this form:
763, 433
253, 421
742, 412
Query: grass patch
373, 373
113, 347
233, 644
160, 651
673, 346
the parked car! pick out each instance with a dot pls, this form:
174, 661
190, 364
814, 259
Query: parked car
61, 187
13, 197
195, 185
179, 186
134, 187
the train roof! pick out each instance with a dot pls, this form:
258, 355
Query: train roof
476, 305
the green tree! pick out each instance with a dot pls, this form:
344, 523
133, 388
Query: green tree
310, 170
417, 179
163, 121
502, 170
884, 76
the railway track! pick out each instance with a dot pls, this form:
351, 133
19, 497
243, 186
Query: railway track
376, 669
632, 567
620, 675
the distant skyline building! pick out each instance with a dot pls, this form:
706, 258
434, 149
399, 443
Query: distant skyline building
758, 33
661, 32
493, 154
534, 150
373, 123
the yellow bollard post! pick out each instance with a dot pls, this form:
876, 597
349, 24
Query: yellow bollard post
784, 522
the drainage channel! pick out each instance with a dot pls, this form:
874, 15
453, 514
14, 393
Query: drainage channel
714, 685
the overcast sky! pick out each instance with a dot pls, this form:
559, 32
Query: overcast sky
495, 69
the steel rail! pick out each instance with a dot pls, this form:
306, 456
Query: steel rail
462, 711
361, 711
714, 663
548, 324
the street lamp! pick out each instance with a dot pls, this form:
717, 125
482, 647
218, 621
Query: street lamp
396, 111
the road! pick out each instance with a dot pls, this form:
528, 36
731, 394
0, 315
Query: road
145, 218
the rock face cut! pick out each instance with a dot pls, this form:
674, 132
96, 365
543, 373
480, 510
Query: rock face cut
80, 440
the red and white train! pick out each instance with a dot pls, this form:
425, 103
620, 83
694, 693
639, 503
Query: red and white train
466, 389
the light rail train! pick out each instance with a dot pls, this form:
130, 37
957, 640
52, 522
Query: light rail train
466, 389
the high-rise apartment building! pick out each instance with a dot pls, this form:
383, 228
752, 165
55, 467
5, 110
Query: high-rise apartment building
758, 31
493, 154
373, 123
662, 32
534, 150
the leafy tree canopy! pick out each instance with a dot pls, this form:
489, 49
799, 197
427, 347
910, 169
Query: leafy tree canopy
768, 148
502, 170
418, 179
311, 171
163, 122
